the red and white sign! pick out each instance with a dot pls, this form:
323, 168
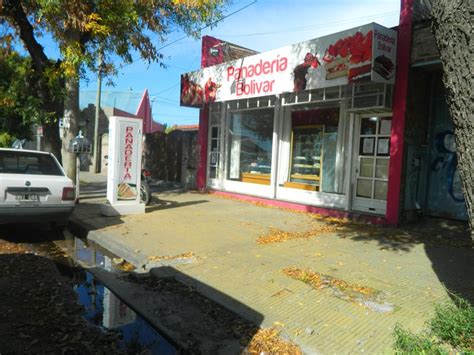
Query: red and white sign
365, 53
124, 167
128, 171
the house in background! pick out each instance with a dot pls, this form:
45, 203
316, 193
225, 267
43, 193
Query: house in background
114, 103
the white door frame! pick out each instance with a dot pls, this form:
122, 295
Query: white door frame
361, 204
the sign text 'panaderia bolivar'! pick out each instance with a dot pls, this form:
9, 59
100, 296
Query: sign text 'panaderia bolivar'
366, 53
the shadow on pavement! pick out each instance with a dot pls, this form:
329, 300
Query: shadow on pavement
447, 244
87, 217
161, 204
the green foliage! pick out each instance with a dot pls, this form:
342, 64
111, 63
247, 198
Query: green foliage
19, 107
409, 343
454, 323
6, 140
22, 100
170, 129
451, 326
125, 29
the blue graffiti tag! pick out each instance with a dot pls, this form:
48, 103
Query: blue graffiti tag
445, 145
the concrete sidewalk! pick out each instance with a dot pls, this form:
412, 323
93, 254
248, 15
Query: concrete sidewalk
217, 239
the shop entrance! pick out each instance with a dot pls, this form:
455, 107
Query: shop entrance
371, 157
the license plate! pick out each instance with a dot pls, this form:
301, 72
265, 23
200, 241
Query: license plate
27, 197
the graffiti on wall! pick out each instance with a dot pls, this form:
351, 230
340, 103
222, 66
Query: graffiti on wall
447, 161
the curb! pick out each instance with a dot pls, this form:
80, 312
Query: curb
107, 241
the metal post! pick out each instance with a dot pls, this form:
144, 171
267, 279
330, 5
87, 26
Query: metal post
96, 161
38, 142
78, 168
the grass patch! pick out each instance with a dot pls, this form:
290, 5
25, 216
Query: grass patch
450, 330
408, 343
454, 323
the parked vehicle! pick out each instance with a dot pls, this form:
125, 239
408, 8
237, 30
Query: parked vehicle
145, 191
34, 188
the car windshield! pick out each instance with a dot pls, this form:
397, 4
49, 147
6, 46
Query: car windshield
12, 162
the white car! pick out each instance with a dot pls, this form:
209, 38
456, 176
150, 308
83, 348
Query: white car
34, 188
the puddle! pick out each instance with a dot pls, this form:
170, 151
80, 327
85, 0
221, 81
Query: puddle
101, 306
104, 309
87, 254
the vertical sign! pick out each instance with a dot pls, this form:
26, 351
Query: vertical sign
124, 167
127, 161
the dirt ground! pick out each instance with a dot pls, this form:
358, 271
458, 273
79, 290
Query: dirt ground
38, 309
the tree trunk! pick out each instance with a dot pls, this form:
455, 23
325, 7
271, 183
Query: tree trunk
52, 142
71, 126
452, 27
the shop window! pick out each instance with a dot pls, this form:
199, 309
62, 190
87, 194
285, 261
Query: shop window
314, 150
250, 146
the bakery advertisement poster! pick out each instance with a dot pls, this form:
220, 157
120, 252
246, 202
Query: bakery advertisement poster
365, 53
129, 147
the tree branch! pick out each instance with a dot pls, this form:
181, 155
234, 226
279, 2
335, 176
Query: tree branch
13, 10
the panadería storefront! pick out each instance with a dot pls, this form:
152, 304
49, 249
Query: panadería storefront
308, 123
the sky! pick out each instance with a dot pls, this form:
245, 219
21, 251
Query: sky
261, 25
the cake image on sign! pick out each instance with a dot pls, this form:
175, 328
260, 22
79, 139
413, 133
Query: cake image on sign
349, 57
359, 73
126, 192
384, 67
337, 68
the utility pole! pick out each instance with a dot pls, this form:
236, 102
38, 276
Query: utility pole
96, 158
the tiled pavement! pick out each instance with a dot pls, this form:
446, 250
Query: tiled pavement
412, 273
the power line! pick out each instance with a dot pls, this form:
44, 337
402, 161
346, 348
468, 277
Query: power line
209, 25
306, 28
165, 90
175, 85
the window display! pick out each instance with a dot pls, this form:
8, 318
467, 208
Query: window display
313, 150
250, 146
307, 142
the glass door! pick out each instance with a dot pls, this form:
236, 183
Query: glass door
372, 157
